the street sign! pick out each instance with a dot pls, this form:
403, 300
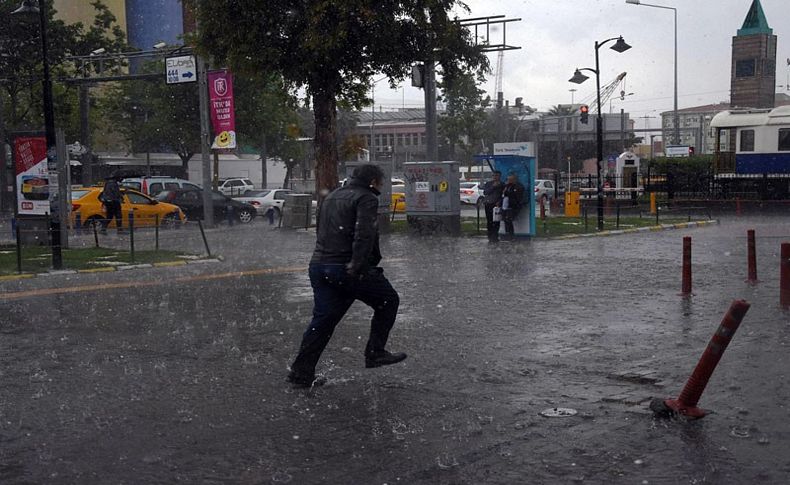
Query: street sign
181, 69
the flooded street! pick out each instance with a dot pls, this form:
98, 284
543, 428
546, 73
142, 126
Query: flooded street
182, 379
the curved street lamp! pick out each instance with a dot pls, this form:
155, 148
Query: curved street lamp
578, 78
29, 10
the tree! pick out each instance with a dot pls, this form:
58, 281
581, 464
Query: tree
21, 63
332, 49
155, 116
464, 125
561, 110
265, 109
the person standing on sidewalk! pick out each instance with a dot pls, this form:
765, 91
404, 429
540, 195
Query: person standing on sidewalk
512, 200
111, 198
492, 193
344, 269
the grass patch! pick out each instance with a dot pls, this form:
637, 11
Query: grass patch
39, 259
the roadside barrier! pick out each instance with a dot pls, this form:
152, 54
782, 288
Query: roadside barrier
784, 276
751, 257
686, 402
686, 285
141, 235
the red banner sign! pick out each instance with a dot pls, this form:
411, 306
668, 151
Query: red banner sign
223, 117
32, 177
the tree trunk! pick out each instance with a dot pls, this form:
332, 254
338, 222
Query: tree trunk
264, 157
185, 158
288, 171
326, 156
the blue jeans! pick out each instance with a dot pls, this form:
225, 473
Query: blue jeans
333, 293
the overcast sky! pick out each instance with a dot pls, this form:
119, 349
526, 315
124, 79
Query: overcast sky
556, 36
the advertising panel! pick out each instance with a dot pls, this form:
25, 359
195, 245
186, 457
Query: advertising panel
32, 177
223, 117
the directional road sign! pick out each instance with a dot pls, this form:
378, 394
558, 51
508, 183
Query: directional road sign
181, 69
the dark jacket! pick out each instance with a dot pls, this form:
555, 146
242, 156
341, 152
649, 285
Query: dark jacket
111, 192
493, 193
515, 194
348, 231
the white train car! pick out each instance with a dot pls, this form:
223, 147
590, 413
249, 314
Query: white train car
750, 142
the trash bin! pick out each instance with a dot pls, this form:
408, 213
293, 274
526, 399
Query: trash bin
296, 211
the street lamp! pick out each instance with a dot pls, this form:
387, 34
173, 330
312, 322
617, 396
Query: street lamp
675, 115
28, 10
622, 97
578, 78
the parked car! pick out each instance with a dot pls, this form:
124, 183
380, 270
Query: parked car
235, 186
262, 200
154, 184
544, 190
398, 203
191, 203
472, 193
85, 204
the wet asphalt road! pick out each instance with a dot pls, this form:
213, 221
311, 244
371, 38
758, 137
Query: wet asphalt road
176, 375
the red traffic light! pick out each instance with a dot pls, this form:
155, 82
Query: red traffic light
584, 114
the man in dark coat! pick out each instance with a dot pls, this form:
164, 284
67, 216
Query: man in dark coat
111, 198
343, 269
512, 201
492, 193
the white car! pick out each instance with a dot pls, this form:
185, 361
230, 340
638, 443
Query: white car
235, 186
472, 193
262, 200
544, 190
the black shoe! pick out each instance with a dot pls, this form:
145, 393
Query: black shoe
383, 358
303, 382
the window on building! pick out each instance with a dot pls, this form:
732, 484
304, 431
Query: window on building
784, 139
408, 139
745, 68
747, 140
400, 139
391, 140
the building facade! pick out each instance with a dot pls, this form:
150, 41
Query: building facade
146, 22
753, 71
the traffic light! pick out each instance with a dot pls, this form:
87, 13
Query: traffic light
584, 112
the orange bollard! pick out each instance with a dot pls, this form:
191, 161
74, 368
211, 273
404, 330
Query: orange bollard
784, 276
686, 403
686, 287
542, 210
653, 202
751, 257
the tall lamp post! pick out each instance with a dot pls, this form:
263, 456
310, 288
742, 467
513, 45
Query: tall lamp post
675, 116
28, 9
578, 78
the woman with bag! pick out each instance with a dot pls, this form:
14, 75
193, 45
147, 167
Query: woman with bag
512, 200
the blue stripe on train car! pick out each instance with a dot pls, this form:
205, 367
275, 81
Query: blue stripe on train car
762, 163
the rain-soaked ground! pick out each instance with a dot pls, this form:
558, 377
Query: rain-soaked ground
176, 375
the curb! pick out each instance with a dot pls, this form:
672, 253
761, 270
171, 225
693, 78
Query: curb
662, 227
111, 269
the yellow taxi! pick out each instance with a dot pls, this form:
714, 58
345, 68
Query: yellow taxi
147, 211
398, 203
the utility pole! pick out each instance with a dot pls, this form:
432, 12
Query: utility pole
4, 199
205, 140
85, 134
431, 123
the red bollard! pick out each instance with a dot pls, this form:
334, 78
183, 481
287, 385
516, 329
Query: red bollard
542, 210
752, 257
784, 276
686, 266
686, 403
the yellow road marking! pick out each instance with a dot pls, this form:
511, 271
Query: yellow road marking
16, 277
97, 270
19, 295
